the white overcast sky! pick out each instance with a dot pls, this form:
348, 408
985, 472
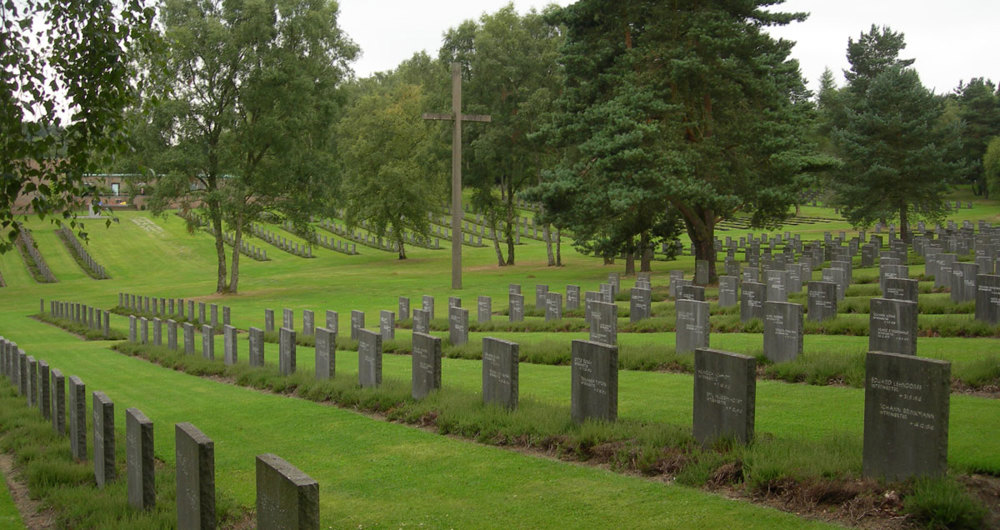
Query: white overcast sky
950, 41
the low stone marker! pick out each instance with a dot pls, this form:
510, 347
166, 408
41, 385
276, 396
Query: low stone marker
752, 297
44, 390
214, 318
188, 338
674, 287
201, 313
357, 323
32, 384
725, 390
194, 456
604, 322
286, 497
484, 309
540, 292
553, 306
286, 351
58, 402
369, 358
77, 418
963, 282
691, 292
901, 289
594, 380
403, 308
906, 416
208, 342
836, 276
426, 364
500, 372
454, 301
144, 330
139, 460
692, 327
171, 334
157, 332
783, 331
229, 354
387, 324
516, 307
421, 321
640, 304
427, 304
133, 330
308, 323
728, 291
988, 298
269, 320
256, 353
333, 321
822, 301
104, 439
288, 318
572, 297
326, 353
458, 325
892, 326
701, 272
777, 286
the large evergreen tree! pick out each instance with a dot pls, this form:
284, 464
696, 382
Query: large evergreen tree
979, 109
676, 108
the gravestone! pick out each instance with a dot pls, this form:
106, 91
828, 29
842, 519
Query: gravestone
603, 323
139, 460
458, 325
553, 306
194, 456
691, 292
288, 318
214, 319
59, 403
286, 497
421, 321
484, 309
540, 292
104, 439
783, 331
188, 338
201, 313
157, 332
286, 351
693, 327
357, 323
901, 289
963, 282
674, 287
268, 320
822, 301
44, 390
988, 298
226, 316
229, 354
572, 297
77, 418
906, 416
133, 331
889, 272
404, 308
701, 272
777, 286
516, 307
752, 297
369, 358
615, 282
308, 323
500, 372
144, 330
728, 291
207, 342
892, 326
256, 353
32, 384
426, 364
835, 276
513, 288
725, 390
427, 304
639, 304
326, 353
594, 380
387, 325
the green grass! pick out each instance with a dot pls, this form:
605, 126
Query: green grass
9, 516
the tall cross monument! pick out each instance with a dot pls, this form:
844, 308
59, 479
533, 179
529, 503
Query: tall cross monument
456, 117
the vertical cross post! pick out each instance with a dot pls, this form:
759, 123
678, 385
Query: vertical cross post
456, 117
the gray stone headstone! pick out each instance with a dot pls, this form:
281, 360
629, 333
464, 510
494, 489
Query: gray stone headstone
615, 282
77, 418
333, 321
701, 272
194, 455
540, 292
836, 276
144, 330
133, 329
693, 327
426, 364
326, 353
171, 334
157, 332
553, 306
674, 288
44, 390
201, 313
500, 372
901, 289
988, 298
104, 439
421, 321
783, 331
427, 304
32, 384
229, 354
286, 497
906, 416
725, 390
516, 307
256, 348
728, 291
603, 323
214, 318
387, 325
889, 272
691, 292
308, 323
269, 320
286, 351
892, 326
59, 402
513, 288
357, 323
484, 309
777, 286
139, 460
404, 308
458, 325
594, 381
288, 318
369, 358
640, 304
188, 338
752, 298
207, 342
226, 316
963, 282
822, 301
572, 297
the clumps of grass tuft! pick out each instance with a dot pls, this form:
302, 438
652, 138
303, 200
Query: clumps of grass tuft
821, 368
943, 503
978, 374
79, 329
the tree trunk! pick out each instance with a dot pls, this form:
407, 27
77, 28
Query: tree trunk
220, 245
904, 224
548, 245
700, 224
402, 248
234, 273
496, 243
646, 253
559, 248
629, 263
510, 228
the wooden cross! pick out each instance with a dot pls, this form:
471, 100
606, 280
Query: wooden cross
456, 117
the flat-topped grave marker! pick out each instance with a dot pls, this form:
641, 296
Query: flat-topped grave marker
369, 358
594, 380
139, 461
603, 322
426, 365
725, 389
901, 289
500, 372
728, 291
286, 497
207, 342
357, 323
104, 439
892, 326
752, 297
988, 298
77, 418
692, 326
484, 309
286, 351
458, 325
783, 331
640, 304
822, 301
516, 307
229, 344
553, 306
194, 454
387, 324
